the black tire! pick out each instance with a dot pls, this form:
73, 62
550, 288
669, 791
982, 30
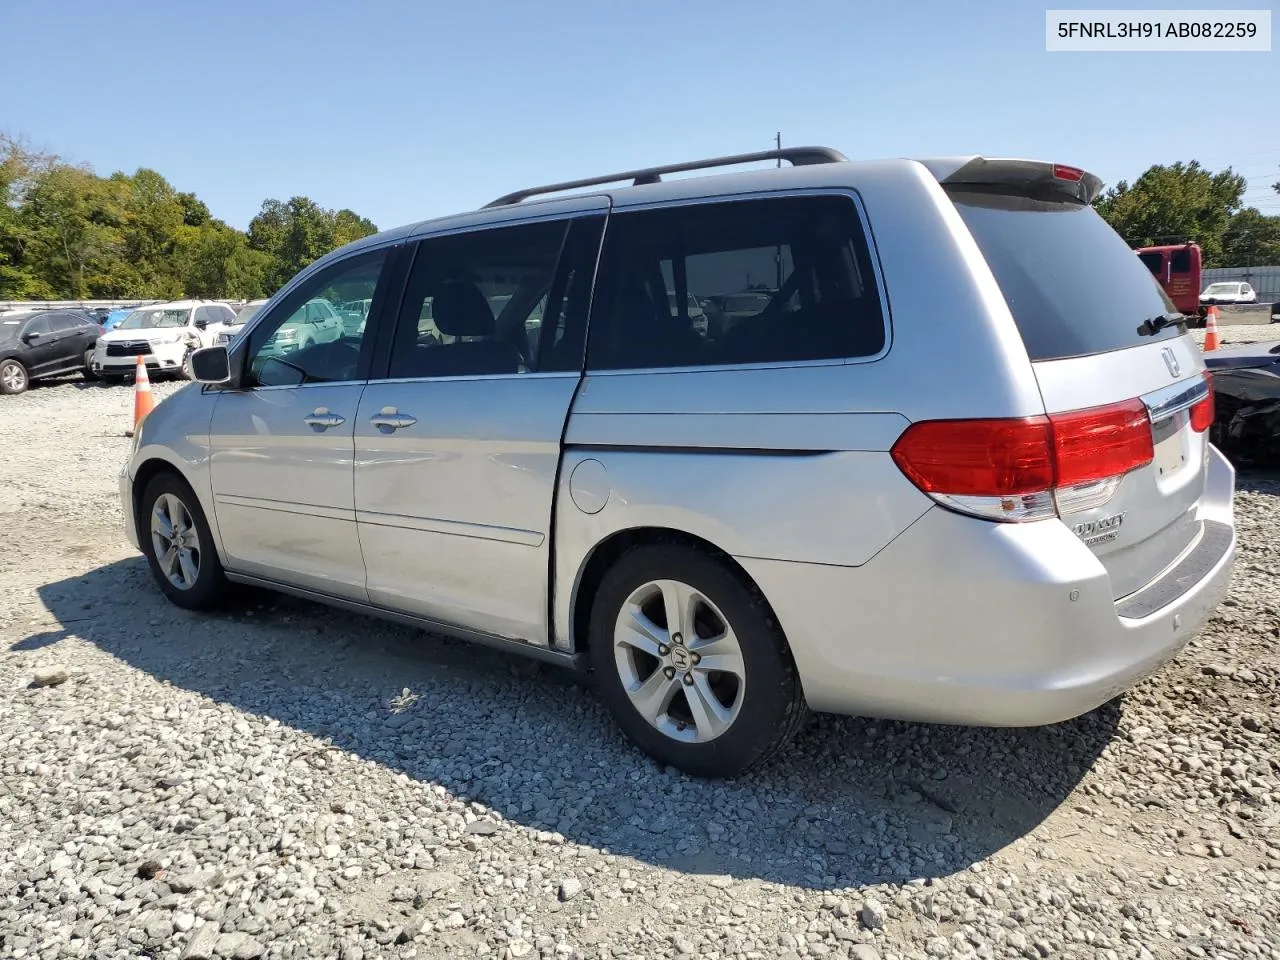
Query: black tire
88, 365
210, 587
13, 377
772, 708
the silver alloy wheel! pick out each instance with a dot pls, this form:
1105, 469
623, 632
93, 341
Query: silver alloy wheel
175, 541
14, 377
679, 661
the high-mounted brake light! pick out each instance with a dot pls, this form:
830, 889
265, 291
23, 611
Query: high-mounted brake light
1029, 468
1062, 172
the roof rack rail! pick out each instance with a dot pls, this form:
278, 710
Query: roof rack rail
797, 156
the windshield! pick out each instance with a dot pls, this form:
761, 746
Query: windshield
1073, 286
1223, 288
246, 314
751, 302
154, 319
691, 303
10, 325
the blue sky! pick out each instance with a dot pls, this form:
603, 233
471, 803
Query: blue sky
403, 110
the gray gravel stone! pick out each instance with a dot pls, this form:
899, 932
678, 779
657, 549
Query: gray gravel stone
202, 943
49, 676
246, 760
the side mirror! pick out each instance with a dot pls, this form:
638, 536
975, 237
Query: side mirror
201, 324
211, 365
32, 337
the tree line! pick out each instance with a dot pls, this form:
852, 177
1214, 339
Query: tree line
68, 234
1185, 202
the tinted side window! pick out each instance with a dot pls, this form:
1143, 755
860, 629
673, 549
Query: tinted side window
39, 325
772, 280
472, 300
62, 322
1180, 262
1154, 262
284, 349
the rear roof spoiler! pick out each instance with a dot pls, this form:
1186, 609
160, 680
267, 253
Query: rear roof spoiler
994, 171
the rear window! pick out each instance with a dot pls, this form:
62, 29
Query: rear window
1073, 286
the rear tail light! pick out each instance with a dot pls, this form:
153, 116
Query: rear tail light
1203, 412
1030, 468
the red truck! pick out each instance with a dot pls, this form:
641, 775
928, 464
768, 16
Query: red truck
1177, 268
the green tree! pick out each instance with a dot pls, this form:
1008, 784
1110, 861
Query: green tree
65, 232
1251, 239
299, 231
1175, 203
216, 261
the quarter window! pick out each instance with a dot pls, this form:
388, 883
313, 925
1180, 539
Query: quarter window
775, 280
289, 347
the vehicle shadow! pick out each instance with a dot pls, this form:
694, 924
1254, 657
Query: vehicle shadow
854, 802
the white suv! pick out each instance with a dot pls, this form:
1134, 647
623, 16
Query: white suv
1229, 292
163, 334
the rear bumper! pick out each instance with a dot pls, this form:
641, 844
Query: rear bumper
963, 621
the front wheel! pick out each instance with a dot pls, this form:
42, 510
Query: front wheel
691, 663
88, 365
13, 377
179, 545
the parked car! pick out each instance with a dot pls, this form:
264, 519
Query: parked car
38, 344
1246, 387
163, 334
1002, 508
1224, 293
726, 310
114, 318
231, 328
693, 310
316, 322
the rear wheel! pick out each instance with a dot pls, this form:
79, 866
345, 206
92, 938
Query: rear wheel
691, 663
179, 545
13, 377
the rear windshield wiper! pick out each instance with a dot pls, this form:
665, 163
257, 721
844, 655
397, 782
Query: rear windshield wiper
1153, 326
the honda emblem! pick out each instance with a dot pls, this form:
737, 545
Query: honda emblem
1171, 361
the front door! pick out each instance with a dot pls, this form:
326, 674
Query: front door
42, 347
458, 446
282, 446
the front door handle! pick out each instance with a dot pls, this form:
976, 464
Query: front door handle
389, 419
322, 419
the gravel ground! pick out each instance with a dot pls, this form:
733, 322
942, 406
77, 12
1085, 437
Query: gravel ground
283, 780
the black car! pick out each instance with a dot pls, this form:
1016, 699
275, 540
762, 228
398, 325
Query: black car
1246, 396
36, 344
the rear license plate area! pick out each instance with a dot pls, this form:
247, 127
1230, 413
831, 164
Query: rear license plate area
1170, 455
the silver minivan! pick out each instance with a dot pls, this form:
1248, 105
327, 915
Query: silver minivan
954, 467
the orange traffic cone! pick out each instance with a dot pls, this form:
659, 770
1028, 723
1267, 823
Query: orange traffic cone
142, 400
1211, 330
